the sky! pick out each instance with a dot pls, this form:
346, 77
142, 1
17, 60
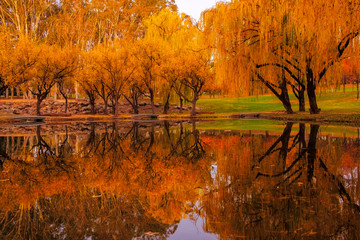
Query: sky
194, 7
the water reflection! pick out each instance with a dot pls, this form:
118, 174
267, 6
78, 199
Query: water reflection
152, 180
284, 187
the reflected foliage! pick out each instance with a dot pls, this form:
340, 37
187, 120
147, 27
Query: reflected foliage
108, 181
126, 180
290, 186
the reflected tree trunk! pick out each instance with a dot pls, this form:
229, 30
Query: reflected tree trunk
311, 154
181, 104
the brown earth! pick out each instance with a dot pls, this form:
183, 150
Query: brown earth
75, 107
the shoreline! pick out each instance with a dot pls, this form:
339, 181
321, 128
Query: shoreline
342, 119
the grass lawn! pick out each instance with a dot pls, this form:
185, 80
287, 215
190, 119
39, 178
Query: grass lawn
329, 102
338, 108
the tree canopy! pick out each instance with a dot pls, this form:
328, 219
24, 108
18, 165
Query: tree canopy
239, 48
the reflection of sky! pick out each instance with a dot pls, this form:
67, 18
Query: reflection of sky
190, 230
195, 7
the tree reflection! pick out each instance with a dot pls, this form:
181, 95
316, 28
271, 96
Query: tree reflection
126, 180
116, 181
287, 191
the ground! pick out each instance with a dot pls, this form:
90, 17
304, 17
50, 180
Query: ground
338, 107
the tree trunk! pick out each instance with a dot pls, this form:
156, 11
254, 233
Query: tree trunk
302, 100
311, 156
312, 98
357, 87
311, 87
66, 104
193, 124
38, 105
25, 95
116, 112
193, 108
105, 107
92, 103
284, 149
302, 140
113, 105
181, 105
152, 100
167, 104
284, 97
135, 103
136, 109
77, 95
287, 106
56, 91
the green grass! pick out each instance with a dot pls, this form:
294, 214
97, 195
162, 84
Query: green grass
244, 104
330, 102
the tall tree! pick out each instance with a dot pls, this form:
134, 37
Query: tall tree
148, 58
26, 18
54, 64
293, 36
116, 62
184, 59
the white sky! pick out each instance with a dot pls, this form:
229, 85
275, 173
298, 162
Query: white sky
194, 7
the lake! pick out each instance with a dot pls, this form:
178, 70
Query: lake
223, 179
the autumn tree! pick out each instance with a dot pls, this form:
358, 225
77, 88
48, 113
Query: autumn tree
133, 91
193, 72
165, 33
5, 49
184, 60
148, 57
95, 78
26, 18
86, 78
301, 47
18, 64
65, 87
116, 63
54, 64
351, 72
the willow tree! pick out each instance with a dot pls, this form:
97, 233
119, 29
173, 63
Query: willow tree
304, 39
148, 56
190, 68
164, 34
240, 65
177, 41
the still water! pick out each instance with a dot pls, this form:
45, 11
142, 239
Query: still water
230, 179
